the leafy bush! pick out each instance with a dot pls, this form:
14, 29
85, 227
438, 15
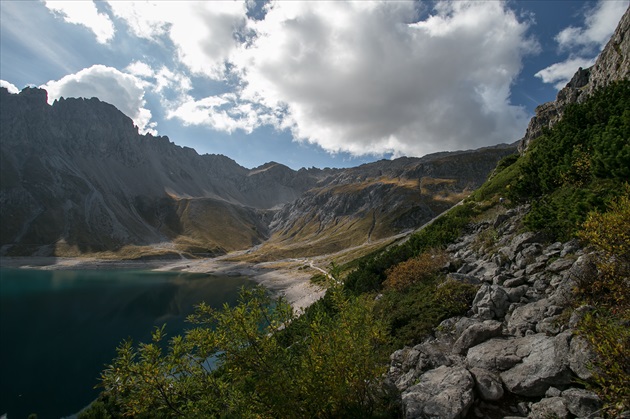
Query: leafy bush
412, 314
578, 165
261, 367
418, 269
608, 289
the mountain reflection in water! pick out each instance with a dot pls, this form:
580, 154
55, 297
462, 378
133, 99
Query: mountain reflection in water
58, 329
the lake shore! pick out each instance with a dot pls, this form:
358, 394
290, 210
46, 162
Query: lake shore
283, 278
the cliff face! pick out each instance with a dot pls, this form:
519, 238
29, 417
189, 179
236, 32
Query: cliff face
612, 64
77, 178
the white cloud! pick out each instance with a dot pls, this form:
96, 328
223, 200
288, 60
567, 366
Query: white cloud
125, 91
584, 43
356, 77
86, 14
203, 33
599, 24
9, 86
561, 73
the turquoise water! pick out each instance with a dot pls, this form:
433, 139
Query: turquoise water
59, 328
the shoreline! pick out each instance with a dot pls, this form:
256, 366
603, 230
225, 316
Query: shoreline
281, 278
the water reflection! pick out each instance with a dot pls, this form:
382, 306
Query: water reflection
59, 328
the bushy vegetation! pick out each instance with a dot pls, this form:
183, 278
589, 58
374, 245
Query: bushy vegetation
579, 165
371, 270
607, 288
248, 361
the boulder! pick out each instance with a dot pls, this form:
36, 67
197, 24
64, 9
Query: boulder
581, 358
444, 392
582, 403
560, 265
544, 364
525, 318
477, 333
552, 407
487, 384
497, 354
491, 302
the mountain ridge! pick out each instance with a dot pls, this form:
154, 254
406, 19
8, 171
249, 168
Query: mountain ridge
77, 178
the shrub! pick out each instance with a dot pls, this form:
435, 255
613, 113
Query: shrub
608, 289
417, 269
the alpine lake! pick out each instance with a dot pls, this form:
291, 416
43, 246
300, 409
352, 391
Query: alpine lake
60, 328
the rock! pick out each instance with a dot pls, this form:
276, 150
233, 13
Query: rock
476, 334
560, 265
552, 407
487, 384
444, 392
535, 267
515, 294
581, 403
491, 302
581, 357
496, 354
570, 247
527, 317
545, 364
515, 282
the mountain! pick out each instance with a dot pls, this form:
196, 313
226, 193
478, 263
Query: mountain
612, 64
77, 178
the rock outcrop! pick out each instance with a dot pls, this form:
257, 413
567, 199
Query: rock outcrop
612, 64
516, 353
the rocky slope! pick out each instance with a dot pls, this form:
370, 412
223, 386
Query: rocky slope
76, 178
376, 200
515, 354
612, 64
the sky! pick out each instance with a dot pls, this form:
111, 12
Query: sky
309, 83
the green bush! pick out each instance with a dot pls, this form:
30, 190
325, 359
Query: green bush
578, 165
412, 314
262, 367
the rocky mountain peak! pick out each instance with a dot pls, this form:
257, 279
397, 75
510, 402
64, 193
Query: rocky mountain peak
612, 64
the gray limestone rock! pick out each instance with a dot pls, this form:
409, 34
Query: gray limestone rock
581, 358
527, 317
581, 403
491, 302
444, 392
487, 384
477, 333
552, 407
545, 364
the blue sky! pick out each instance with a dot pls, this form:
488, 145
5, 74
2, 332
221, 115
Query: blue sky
313, 83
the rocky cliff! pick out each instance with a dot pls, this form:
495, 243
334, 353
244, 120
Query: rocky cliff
612, 64
77, 178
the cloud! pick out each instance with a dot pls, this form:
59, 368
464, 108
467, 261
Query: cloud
358, 77
599, 24
125, 91
86, 14
204, 34
561, 73
9, 86
584, 43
